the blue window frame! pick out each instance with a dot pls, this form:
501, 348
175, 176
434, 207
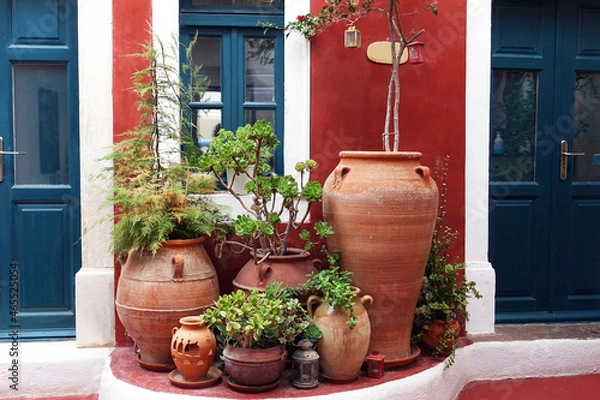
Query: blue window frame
242, 64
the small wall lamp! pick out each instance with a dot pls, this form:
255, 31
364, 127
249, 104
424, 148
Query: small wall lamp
352, 37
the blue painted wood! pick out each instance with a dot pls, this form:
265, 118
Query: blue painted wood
233, 98
544, 235
39, 246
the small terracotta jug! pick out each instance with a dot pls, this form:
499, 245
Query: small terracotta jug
193, 348
342, 350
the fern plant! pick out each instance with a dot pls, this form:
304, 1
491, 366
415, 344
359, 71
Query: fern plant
153, 168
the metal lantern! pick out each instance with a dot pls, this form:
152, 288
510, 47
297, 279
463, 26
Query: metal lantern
375, 365
305, 374
415, 52
352, 37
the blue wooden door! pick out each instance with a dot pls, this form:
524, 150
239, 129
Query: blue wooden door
39, 167
545, 159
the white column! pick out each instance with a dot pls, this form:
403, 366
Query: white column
94, 289
477, 143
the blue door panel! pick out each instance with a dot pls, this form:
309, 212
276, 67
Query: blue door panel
39, 197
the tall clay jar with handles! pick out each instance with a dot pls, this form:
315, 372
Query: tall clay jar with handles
342, 350
193, 348
383, 207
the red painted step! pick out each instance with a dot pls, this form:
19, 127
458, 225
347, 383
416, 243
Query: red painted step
581, 387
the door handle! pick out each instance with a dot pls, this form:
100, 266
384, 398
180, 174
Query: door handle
2, 154
564, 158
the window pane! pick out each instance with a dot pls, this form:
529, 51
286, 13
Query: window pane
260, 72
207, 53
230, 3
41, 129
587, 127
208, 123
254, 115
513, 120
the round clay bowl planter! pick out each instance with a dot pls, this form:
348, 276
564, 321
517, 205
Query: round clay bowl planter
290, 269
155, 292
383, 207
435, 331
193, 348
342, 350
254, 367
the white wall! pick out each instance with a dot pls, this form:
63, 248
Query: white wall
477, 138
94, 282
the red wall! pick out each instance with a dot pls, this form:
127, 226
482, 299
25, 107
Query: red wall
348, 94
130, 30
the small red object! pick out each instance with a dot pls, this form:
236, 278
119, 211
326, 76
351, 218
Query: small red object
415, 52
375, 365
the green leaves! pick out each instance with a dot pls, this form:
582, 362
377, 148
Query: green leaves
259, 319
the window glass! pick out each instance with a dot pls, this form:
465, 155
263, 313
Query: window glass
513, 125
41, 130
207, 53
587, 127
260, 71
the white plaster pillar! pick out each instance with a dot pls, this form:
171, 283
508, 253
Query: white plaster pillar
478, 67
94, 288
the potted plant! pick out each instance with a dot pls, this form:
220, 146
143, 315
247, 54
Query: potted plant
275, 209
442, 303
342, 319
159, 229
382, 205
255, 328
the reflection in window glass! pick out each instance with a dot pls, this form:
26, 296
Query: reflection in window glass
207, 54
255, 114
587, 127
208, 124
40, 121
513, 125
260, 72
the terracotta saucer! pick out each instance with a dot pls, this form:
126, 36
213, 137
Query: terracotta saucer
340, 380
212, 376
155, 367
401, 362
249, 388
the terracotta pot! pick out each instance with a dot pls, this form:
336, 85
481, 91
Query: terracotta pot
154, 293
383, 207
290, 269
342, 350
435, 331
193, 348
254, 367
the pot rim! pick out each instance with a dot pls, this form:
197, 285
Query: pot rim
402, 155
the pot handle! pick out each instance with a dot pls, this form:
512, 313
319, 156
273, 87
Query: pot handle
365, 298
178, 263
317, 264
339, 174
175, 329
262, 272
423, 172
311, 300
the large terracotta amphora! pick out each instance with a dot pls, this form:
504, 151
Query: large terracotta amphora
383, 207
154, 293
342, 350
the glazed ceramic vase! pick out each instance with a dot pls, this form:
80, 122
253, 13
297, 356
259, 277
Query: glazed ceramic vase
342, 350
193, 348
383, 207
290, 269
254, 367
155, 292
